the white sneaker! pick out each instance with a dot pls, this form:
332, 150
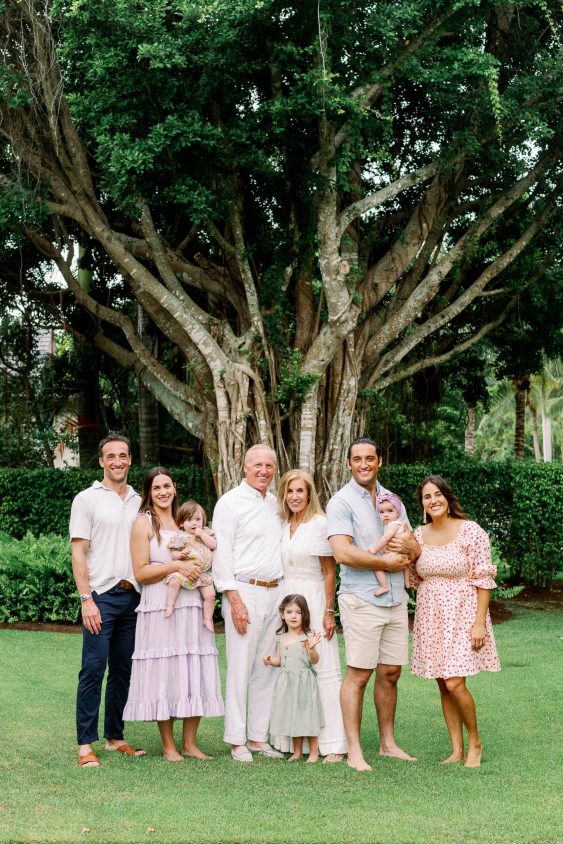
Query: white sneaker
268, 751
241, 754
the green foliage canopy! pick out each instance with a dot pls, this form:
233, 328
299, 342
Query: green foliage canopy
308, 199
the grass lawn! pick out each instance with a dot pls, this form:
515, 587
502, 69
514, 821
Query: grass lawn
45, 797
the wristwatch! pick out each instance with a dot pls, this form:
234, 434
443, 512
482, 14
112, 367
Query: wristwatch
85, 597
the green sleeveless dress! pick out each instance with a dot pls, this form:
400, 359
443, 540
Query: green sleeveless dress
296, 706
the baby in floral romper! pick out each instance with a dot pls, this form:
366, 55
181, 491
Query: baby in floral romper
193, 542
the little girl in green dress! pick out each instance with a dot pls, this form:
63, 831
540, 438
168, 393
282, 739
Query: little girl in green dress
296, 706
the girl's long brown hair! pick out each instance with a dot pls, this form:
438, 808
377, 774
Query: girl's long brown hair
146, 502
455, 509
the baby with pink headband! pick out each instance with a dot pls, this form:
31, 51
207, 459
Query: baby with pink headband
389, 507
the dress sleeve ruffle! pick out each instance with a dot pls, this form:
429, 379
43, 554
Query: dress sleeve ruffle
414, 578
481, 569
320, 546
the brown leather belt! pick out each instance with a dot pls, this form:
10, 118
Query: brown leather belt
267, 584
124, 584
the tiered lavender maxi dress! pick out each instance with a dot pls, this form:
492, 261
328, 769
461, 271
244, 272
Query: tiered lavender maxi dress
175, 672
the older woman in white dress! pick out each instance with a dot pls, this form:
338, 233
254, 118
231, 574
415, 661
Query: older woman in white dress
309, 569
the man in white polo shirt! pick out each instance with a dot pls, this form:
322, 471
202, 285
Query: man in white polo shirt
375, 626
247, 569
100, 529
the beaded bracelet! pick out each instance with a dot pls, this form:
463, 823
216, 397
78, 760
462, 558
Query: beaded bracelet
327, 610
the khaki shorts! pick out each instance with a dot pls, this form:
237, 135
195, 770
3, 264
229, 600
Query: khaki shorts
373, 635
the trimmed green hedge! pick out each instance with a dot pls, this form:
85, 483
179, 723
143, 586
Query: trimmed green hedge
518, 503
38, 500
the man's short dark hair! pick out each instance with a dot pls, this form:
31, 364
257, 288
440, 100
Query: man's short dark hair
111, 438
362, 441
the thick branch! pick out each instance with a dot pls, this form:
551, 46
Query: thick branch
362, 206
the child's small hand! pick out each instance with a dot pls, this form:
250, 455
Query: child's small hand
372, 550
313, 640
267, 660
393, 528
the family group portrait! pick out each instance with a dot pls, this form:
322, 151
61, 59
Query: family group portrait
281, 421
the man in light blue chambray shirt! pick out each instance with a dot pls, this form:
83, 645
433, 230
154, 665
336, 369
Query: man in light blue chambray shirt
375, 627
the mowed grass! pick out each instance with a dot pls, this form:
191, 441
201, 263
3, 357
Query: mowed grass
513, 797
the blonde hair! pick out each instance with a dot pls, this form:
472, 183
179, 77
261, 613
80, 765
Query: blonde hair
313, 507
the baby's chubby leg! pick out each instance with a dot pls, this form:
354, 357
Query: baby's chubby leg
208, 595
172, 592
381, 578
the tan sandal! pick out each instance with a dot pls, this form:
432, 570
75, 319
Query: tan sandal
88, 760
126, 749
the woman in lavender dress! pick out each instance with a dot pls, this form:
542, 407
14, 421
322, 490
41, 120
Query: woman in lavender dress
175, 670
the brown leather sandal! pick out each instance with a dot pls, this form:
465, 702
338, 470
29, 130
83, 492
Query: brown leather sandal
89, 760
126, 749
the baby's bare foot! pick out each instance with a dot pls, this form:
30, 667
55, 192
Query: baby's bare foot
209, 625
381, 590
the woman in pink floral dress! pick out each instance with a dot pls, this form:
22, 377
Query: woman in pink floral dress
453, 636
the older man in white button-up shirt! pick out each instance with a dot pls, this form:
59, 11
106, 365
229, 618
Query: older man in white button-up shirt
247, 569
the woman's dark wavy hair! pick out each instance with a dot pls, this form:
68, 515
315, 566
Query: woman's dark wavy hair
305, 614
146, 503
455, 510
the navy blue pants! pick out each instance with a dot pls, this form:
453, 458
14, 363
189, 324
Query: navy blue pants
112, 647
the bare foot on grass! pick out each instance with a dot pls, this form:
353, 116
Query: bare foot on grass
358, 763
455, 757
295, 757
397, 753
173, 756
474, 755
195, 753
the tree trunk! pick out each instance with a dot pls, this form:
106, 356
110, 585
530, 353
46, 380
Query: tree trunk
470, 430
522, 386
88, 404
333, 473
148, 405
535, 433
87, 410
547, 438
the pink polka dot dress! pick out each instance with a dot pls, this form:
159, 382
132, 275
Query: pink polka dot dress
446, 577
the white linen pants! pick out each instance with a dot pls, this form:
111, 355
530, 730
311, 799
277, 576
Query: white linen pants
249, 681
